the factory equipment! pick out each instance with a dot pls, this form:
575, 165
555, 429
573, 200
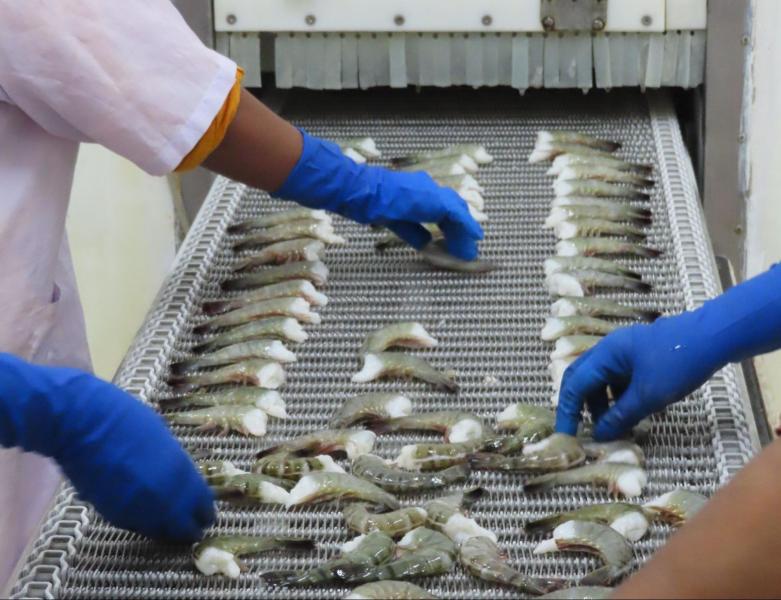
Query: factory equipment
489, 325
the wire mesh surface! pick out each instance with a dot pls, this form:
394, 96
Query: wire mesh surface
488, 327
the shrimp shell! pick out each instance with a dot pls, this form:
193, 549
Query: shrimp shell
619, 451
279, 218
627, 519
554, 453
569, 306
268, 349
546, 137
585, 283
437, 255
246, 420
282, 328
396, 364
323, 486
353, 442
395, 523
581, 592
296, 308
371, 407
611, 162
446, 514
620, 479
269, 401
456, 426
313, 270
406, 334
564, 264
220, 554
294, 467
597, 189
434, 457
283, 252
316, 229
259, 372
294, 288
676, 507
557, 327
591, 246
476, 152
372, 468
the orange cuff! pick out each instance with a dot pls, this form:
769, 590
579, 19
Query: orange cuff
217, 130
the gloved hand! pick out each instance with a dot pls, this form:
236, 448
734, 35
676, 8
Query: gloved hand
116, 451
651, 366
325, 178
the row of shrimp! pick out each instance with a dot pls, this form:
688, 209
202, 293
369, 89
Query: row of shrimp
599, 215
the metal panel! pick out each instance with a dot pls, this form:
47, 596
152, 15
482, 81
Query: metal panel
488, 326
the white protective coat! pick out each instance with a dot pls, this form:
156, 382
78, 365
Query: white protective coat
132, 77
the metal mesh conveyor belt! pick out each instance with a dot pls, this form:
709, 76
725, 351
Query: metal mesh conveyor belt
488, 329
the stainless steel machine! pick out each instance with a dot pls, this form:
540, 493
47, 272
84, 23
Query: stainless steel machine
489, 326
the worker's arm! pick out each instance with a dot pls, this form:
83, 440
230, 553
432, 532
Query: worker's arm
730, 549
116, 451
651, 366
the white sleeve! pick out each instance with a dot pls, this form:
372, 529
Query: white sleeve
131, 76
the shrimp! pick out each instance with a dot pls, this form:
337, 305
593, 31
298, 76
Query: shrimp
564, 264
548, 151
558, 327
371, 407
259, 372
585, 283
405, 334
364, 146
557, 368
620, 479
526, 418
576, 212
372, 468
569, 306
573, 345
296, 308
282, 328
279, 218
594, 538
456, 426
476, 152
546, 137
627, 519
268, 349
316, 229
446, 514
329, 441
455, 164
570, 160
313, 270
283, 252
252, 487
581, 592
604, 173
361, 552
575, 228
294, 288
423, 552
554, 453
460, 182
220, 554
246, 420
436, 255
269, 401
675, 507
389, 590
390, 239
398, 522
396, 364
590, 246
620, 451
598, 189
433, 457
483, 559
293, 467
215, 471
321, 486
591, 202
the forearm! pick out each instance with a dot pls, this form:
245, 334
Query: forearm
260, 148
730, 550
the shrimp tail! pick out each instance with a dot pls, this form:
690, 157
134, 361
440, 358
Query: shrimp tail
183, 366
603, 576
352, 572
295, 543
543, 525
239, 228
280, 578
540, 483
180, 385
649, 315
215, 307
471, 496
402, 161
482, 461
649, 252
202, 329
637, 285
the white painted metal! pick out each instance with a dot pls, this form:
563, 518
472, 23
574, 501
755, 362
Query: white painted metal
636, 15
687, 14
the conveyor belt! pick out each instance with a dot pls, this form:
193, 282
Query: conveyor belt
488, 329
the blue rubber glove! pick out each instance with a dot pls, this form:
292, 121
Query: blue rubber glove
116, 451
324, 178
649, 367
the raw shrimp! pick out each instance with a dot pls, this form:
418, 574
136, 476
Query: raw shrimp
246, 420
279, 218
283, 252
363, 551
594, 538
476, 152
259, 372
366, 147
295, 288
557, 368
549, 151
254, 488
322, 486
215, 471
483, 559
406, 334
315, 229
570, 160
372, 468
556, 327
456, 426
598, 189
446, 514
627, 519
604, 173
436, 255
282, 328
423, 552
353, 442
581, 592
675, 507
390, 239
590, 246
396, 364
626, 214
371, 407
398, 522
573, 345
269, 401
389, 590
444, 165
564, 264
296, 308
576, 228
220, 554
591, 202
620, 479
545, 137
313, 270
268, 349
527, 419
460, 182
620, 451
433, 457
286, 466
569, 306
584, 283
554, 453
